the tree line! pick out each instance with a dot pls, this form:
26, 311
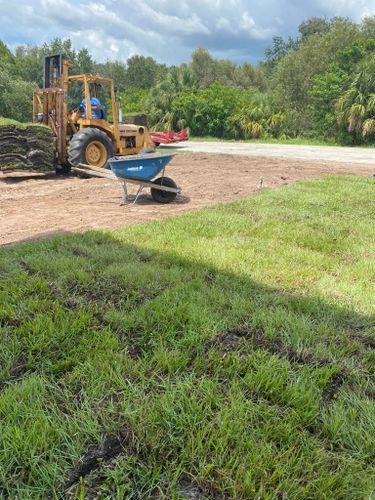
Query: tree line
319, 84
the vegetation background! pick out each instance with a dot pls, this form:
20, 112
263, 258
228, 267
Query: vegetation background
318, 85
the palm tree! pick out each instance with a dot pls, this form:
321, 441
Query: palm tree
259, 117
356, 107
159, 103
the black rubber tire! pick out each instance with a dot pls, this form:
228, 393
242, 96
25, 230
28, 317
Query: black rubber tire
63, 169
164, 196
80, 141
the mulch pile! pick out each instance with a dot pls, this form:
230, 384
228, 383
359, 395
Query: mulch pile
28, 147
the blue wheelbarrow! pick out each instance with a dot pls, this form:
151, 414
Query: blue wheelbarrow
143, 169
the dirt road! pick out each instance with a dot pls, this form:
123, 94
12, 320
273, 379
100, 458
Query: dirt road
325, 153
46, 205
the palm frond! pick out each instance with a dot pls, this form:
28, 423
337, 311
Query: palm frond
368, 127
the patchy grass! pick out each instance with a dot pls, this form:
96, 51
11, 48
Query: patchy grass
303, 141
9, 121
227, 353
170, 148
299, 141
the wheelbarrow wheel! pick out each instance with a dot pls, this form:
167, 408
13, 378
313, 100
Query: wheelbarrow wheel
164, 196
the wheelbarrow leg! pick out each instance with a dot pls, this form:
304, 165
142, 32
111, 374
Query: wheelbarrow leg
125, 198
139, 191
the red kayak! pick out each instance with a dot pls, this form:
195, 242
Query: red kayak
170, 136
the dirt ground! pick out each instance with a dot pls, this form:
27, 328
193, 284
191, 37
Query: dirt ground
37, 206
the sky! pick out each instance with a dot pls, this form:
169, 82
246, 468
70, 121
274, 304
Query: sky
167, 30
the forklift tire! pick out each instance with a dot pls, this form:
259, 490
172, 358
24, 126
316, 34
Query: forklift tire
63, 169
90, 146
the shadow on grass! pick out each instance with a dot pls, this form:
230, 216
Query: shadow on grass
220, 382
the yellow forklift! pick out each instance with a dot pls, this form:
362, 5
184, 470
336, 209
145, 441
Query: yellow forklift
83, 134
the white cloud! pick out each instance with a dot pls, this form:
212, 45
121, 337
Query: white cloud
249, 26
168, 30
356, 9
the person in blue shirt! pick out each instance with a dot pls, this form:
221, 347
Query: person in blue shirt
96, 107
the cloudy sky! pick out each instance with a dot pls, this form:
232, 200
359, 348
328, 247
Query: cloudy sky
168, 30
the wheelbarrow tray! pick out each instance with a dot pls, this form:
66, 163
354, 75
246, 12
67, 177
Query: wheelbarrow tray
142, 167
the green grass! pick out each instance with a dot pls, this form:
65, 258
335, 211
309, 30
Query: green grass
270, 140
174, 150
300, 141
226, 353
8, 121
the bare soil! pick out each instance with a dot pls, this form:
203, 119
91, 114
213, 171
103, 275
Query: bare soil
37, 206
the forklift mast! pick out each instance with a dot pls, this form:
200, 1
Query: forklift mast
50, 102
53, 70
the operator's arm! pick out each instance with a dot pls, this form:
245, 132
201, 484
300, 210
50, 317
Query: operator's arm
82, 106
